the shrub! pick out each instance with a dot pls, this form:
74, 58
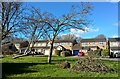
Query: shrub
105, 52
65, 65
65, 53
97, 52
57, 52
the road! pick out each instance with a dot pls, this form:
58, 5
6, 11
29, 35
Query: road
112, 59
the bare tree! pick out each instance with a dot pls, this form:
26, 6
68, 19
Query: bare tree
76, 18
67, 36
11, 15
101, 36
51, 26
34, 27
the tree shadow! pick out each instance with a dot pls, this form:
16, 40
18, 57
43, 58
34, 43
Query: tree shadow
17, 68
63, 60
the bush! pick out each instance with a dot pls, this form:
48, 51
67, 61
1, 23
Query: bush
65, 53
105, 52
96, 52
64, 65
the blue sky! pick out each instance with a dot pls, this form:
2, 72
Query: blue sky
104, 17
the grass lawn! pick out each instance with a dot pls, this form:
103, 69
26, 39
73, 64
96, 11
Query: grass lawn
36, 67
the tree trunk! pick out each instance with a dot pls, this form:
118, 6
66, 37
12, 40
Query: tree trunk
50, 54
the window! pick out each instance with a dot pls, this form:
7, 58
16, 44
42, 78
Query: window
114, 43
35, 44
48, 44
43, 44
62, 43
56, 44
94, 43
17, 45
67, 43
38, 44
85, 43
100, 43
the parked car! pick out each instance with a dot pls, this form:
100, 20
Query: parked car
115, 54
80, 53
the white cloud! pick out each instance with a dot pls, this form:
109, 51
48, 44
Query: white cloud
79, 32
115, 36
117, 24
113, 0
91, 29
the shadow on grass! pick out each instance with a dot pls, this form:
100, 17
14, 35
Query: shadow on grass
62, 60
17, 68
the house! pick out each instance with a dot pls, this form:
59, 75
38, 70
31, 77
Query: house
114, 46
94, 43
43, 46
77, 48
40, 46
21, 45
8, 48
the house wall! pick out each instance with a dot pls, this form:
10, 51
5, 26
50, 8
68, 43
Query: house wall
38, 46
114, 44
94, 49
102, 46
17, 45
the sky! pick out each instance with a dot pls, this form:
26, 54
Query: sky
104, 17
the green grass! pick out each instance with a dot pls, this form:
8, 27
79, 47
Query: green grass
37, 67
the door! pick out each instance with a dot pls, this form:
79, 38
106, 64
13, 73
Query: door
75, 52
46, 52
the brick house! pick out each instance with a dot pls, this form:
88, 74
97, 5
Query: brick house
86, 45
43, 46
94, 42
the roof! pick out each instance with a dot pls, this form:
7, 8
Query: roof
9, 47
113, 39
7, 44
59, 41
24, 44
94, 40
41, 40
